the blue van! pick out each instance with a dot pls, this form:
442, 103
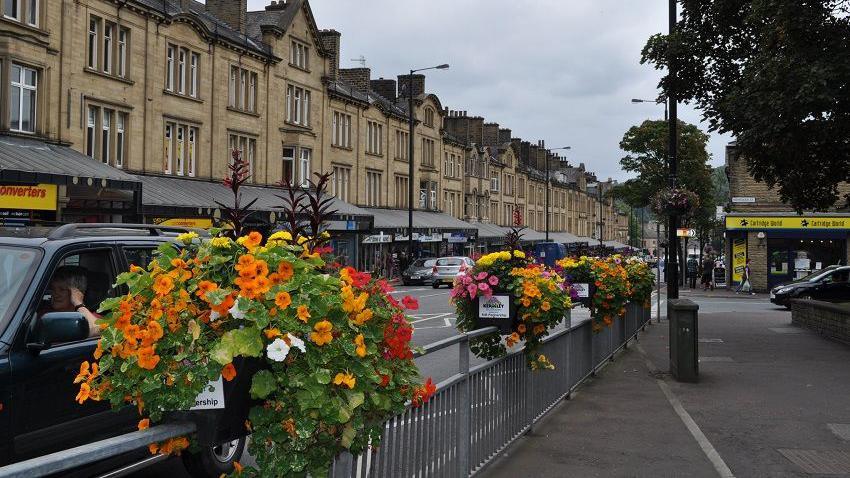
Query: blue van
549, 252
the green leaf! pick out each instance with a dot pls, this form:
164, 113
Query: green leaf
344, 414
323, 376
263, 384
348, 435
355, 399
245, 342
110, 304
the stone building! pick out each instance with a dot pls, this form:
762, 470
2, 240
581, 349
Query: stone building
780, 244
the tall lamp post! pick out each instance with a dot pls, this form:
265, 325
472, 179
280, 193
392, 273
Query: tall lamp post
547, 188
672, 239
411, 122
660, 101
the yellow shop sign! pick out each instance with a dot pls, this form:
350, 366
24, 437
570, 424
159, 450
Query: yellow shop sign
201, 223
41, 197
787, 222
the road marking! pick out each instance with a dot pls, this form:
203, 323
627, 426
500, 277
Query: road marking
434, 295
706, 446
710, 341
716, 359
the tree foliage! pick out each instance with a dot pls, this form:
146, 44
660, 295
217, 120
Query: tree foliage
775, 74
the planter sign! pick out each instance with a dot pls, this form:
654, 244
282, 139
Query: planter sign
212, 398
494, 307
583, 290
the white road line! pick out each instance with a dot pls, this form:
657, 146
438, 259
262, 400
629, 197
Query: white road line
407, 291
706, 446
433, 295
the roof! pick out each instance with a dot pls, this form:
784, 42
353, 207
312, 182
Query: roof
279, 18
191, 193
490, 231
564, 237
397, 219
33, 160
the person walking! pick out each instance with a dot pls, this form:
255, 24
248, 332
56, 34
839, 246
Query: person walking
745, 285
707, 272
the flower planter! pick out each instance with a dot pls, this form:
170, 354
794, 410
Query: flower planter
216, 426
585, 293
497, 310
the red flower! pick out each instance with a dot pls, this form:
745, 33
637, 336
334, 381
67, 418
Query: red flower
410, 303
385, 286
424, 393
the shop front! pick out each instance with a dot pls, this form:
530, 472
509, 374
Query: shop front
782, 248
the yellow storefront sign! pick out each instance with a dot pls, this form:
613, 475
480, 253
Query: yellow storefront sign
786, 222
40, 197
202, 223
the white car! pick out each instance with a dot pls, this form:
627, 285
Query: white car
448, 268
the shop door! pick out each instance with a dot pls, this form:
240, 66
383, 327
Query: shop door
780, 264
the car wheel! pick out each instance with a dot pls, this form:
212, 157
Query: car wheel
435, 285
213, 461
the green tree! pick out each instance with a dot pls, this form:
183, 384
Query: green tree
776, 74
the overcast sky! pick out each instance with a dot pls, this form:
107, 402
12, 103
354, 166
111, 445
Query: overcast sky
559, 70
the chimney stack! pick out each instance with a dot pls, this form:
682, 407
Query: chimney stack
330, 42
359, 78
505, 135
385, 88
232, 12
416, 81
491, 134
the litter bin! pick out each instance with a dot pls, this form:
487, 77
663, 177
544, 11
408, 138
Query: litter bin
684, 351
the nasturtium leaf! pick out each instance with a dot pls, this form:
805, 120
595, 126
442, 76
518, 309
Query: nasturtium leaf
323, 376
263, 384
348, 435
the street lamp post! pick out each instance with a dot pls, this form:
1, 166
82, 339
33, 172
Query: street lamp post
672, 239
547, 189
411, 122
660, 101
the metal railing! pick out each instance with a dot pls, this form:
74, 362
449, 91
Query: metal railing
474, 415
480, 411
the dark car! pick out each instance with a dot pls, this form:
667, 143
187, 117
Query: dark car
831, 285
41, 349
419, 272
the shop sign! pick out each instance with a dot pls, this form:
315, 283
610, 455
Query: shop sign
739, 259
743, 200
198, 222
787, 222
39, 197
401, 238
431, 238
457, 238
212, 397
378, 239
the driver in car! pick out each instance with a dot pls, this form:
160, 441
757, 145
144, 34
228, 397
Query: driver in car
67, 290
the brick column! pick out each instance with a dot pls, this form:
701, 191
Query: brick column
757, 253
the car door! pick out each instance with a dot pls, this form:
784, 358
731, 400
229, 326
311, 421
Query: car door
838, 288
45, 416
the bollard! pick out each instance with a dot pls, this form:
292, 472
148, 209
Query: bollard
684, 351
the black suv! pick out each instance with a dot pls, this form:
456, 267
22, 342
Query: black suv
41, 350
830, 285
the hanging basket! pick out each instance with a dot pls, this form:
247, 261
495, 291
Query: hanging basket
585, 293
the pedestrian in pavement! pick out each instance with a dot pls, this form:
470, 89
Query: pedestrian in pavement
707, 272
745, 285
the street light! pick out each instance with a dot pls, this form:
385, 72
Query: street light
661, 100
547, 188
412, 125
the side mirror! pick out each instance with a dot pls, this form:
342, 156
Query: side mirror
59, 327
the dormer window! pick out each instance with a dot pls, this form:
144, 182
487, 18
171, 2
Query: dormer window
299, 55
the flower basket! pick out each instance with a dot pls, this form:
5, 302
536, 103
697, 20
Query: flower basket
584, 293
498, 310
220, 425
674, 201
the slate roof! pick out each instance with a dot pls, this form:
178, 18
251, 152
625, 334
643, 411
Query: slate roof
32, 160
279, 18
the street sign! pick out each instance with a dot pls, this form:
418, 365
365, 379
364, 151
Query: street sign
685, 232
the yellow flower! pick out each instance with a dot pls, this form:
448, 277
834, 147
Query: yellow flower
345, 379
361, 345
220, 242
519, 254
322, 334
281, 236
363, 317
187, 237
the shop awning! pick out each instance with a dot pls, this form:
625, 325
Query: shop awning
392, 219
616, 245
491, 232
28, 160
564, 238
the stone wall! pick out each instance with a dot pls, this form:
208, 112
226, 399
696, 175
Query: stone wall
757, 253
830, 320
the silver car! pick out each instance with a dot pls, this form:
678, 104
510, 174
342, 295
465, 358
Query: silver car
448, 268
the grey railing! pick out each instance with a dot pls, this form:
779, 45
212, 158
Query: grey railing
473, 416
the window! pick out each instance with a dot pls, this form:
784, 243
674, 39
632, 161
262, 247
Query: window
193, 75
21, 10
106, 135
402, 145
401, 192
341, 182
105, 124
181, 148
521, 187
428, 195
341, 136
122, 52
94, 28
299, 55
169, 67
183, 77
247, 147
447, 166
181, 71
107, 48
373, 189
428, 152
120, 139
90, 133
288, 165
297, 105
429, 117
494, 182
304, 166
22, 99
374, 137
242, 90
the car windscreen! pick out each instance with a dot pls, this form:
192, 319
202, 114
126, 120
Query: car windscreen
419, 263
818, 275
17, 265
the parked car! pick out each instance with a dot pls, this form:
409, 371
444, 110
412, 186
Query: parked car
447, 268
42, 348
419, 272
831, 284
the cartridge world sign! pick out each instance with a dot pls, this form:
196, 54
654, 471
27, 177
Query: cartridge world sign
787, 222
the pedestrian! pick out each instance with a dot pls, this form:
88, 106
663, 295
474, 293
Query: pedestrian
692, 270
707, 273
745, 285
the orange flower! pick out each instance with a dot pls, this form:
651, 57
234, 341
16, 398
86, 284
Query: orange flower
361, 345
512, 339
322, 334
238, 467
178, 263
251, 241
245, 261
84, 372
144, 423
526, 302
272, 333
261, 268
363, 317
155, 330
147, 359
98, 351
84, 394
163, 285
203, 287
545, 306
228, 372
284, 271
539, 329
303, 313
521, 329
345, 379
153, 448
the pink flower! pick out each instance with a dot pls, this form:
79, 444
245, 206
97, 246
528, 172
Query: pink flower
481, 276
483, 286
466, 280
473, 291
494, 281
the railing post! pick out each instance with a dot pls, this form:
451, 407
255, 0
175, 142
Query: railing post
464, 412
342, 466
567, 366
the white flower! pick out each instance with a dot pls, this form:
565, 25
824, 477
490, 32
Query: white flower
277, 350
296, 342
214, 315
236, 312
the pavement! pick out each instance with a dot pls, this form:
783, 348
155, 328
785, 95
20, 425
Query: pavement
772, 400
